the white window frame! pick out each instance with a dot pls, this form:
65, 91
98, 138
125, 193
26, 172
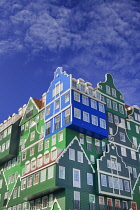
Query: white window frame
76, 178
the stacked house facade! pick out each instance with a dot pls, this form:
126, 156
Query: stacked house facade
77, 148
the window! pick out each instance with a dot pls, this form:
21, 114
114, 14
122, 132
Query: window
125, 205
71, 154
45, 202
67, 97
32, 151
113, 163
29, 112
36, 178
117, 204
108, 90
123, 151
74, 84
50, 172
109, 103
57, 104
58, 88
81, 138
60, 136
26, 125
48, 110
116, 119
33, 164
135, 172
126, 186
101, 200
119, 166
40, 146
91, 201
110, 181
89, 179
37, 204
77, 113
93, 104
92, 159
137, 128
43, 175
0, 183
53, 140
115, 106
57, 122
29, 181
27, 167
89, 143
61, 172
82, 87
102, 123
135, 141
47, 144
110, 131
76, 178
76, 200
90, 91
32, 136
103, 180
67, 116
110, 118
133, 155
80, 156
122, 137
85, 100
97, 146
109, 203
76, 96
24, 155
46, 157
128, 125
54, 154
101, 108
8, 144
23, 184
113, 92
39, 161
134, 205
115, 181
47, 128
32, 205
94, 120
50, 200
86, 117
120, 184
121, 109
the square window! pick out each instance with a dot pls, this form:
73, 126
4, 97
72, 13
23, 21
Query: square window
47, 144
48, 128
109, 202
101, 200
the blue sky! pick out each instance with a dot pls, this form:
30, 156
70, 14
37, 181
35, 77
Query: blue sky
88, 38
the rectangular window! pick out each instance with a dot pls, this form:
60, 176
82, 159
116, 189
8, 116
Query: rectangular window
108, 101
113, 163
48, 128
32, 151
110, 118
135, 172
101, 108
123, 151
110, 181
117, 204
90, 179
76, 200
36, 178
58, 88
74, 84
86, 117
32, 136
120, 184
24, 155
121, 109
109, 203
29, 181
135, 141
93, 104
60, 136
113, 92
76, 178
77, 113
103, 180
46, 158
94, 120
57, 122
50, 172
43, 175
116, 119
101, 201
128, 125
45, 202
89, 143
97, 146
48, 110
126, 186
53, 140
57, 104
115, 106
0, 183
61, 172
133, 155
108, 90
134, 205
115, 181
40, 146
37, 204
67, 97
29, 112
102, 123
110, 131
137, 128
92, 159
23, 184
67, 116
50, 200
122, 137
85, 100
82, 87
80, 156
76, 96
81, 138
125, 205
71, 154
